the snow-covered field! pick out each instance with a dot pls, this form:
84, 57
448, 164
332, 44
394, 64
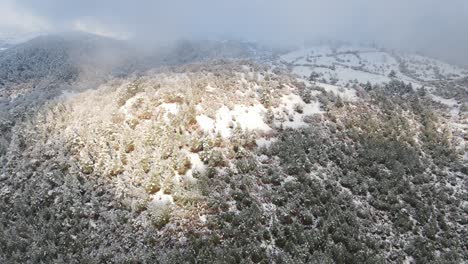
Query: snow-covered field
349, 64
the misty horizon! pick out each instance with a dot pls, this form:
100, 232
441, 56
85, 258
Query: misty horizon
433, 28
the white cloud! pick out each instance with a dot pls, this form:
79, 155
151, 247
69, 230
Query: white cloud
93, 26
15, 20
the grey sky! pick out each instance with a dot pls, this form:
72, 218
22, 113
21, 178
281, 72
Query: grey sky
436, 27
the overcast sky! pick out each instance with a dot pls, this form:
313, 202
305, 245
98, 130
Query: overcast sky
435, 27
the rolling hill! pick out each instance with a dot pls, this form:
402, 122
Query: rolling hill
225, 152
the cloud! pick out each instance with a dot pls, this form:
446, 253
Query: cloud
16, 20
433, 26
90, 25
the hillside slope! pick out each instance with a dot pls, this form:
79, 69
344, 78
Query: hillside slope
232, 161
347, 64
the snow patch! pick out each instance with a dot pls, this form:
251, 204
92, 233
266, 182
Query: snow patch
206, 123
247, 117
197, 163
263, 142
251, 117
451, 103
347, 94
172, 108
160, 198
210, 89
295, 119
202, 218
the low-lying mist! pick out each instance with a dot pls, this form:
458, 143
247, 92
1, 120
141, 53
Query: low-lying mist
435, 28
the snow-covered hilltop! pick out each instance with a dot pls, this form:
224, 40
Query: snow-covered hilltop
223, 152
346, 65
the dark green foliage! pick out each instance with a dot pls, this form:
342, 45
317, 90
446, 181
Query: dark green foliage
312, 219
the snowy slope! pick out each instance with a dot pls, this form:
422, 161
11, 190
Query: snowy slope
350, 64
229, 159
4, 45
339, 70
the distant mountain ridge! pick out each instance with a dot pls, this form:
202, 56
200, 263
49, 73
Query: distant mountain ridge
56, 56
